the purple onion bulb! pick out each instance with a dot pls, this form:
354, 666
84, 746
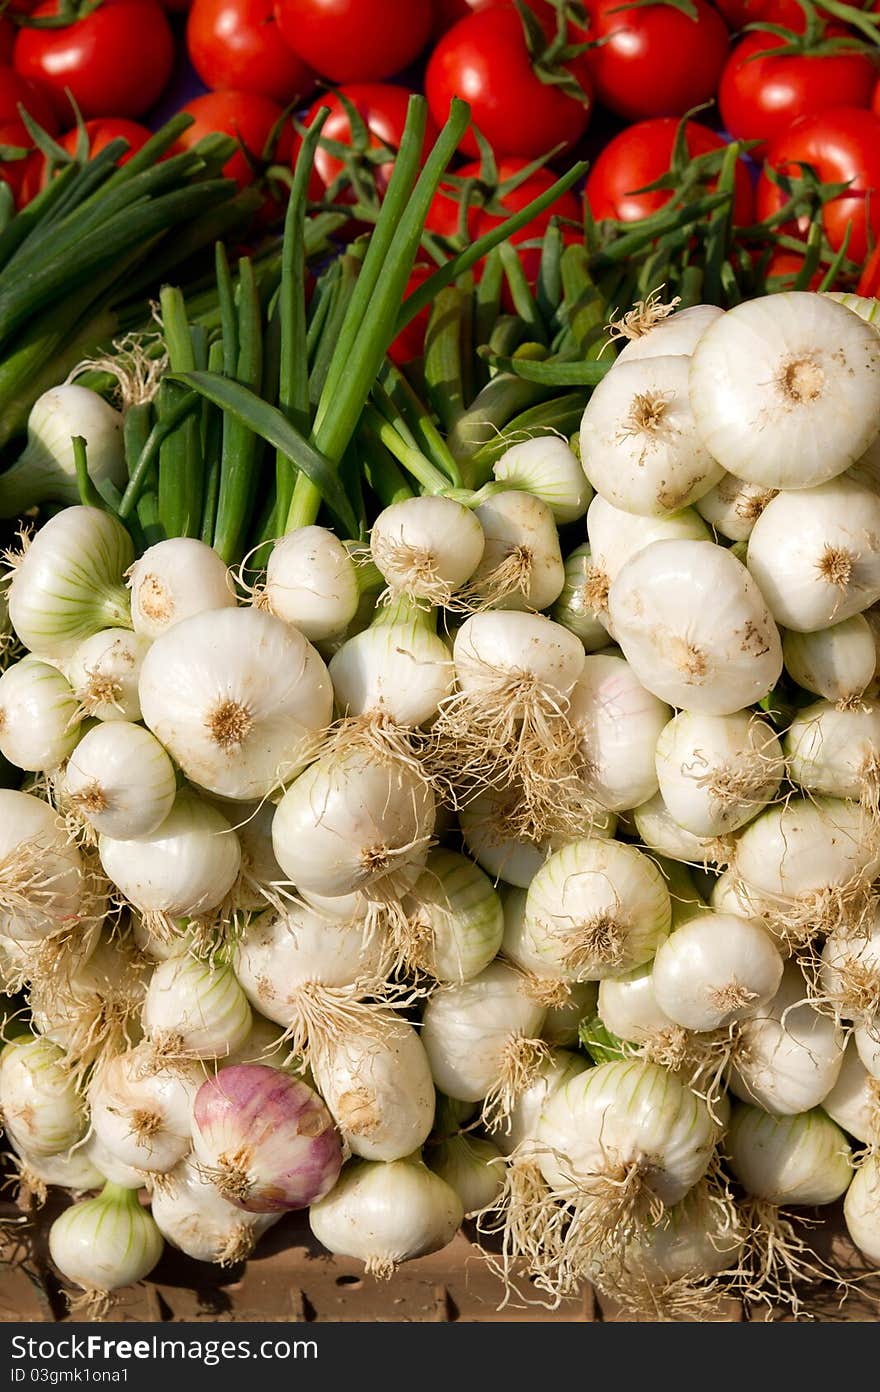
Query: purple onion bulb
265, 1139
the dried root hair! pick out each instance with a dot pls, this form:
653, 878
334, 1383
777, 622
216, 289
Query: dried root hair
520, 1063
689, 1299
745, 781
638, 1286
512, 576
778, 1267
835, 566
643, 316
326, 1015
869, 780
416, 570
30, 1192
700, 1059
604, 1214
240, 1242
378, 733
590, 943
137, 369
230, 1175
528, 1224
97, 1024
515, 733
12, 556
90, 1305
796, 920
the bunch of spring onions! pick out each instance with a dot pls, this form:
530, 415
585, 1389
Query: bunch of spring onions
513, 859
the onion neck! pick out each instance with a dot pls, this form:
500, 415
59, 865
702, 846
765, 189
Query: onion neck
120, 1195
402, 610
35, 477
113, 607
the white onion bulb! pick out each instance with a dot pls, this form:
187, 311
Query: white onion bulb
387, 1214
786, 389
121, 780
426, 547
311, 583
788, 1058
186, 866
733, 506
42, 1110
378, 1086
238, 698
399, 667
836, 752
104, 673
854, 1101
714, 970
605, 1123
141, 1109
838, 663
801, 1159
619, 722
174, 580
195, 1009
596, 909
192, 1216
42, 888
521, 566
39, 716
480, 1036
815, 553
352, 821
640, 446
716, 772
68, 585
549, 469
861, 1209
104, 1243
695, 628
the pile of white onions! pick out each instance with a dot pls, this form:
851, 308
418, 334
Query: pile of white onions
539, 888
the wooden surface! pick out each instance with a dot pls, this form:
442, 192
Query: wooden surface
291, 1278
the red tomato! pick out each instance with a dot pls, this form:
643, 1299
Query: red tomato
7, 40
18, 174
841, 145
655, 60
235, 44
641, 154
788, 13
869, 281
566, 206
355, 40
115, 60
485, 60
760, 97
244, 115
16, 91
875, 100
102, 131
383, 107
789, 264
449, 12
443, 215
410, 342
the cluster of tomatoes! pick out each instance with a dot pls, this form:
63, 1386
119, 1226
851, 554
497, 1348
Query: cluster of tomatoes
804, 89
